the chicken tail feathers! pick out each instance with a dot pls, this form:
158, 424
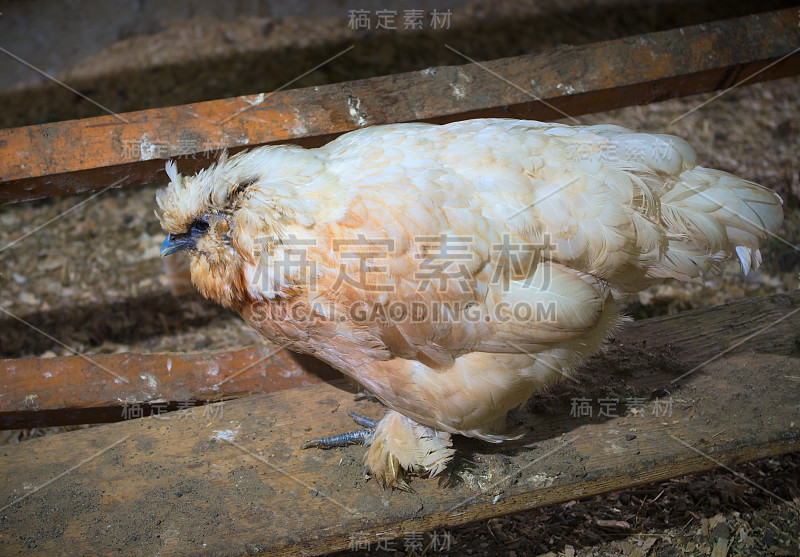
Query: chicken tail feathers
710, 215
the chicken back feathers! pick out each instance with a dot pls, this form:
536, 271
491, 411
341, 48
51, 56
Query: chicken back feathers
453, 270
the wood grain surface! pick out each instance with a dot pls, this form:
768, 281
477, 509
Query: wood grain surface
129, 149
229, 478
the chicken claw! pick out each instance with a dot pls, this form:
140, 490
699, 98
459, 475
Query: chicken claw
366, 395
363, 421
358, 437
398, 447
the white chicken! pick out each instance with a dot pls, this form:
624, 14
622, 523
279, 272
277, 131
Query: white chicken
454, 270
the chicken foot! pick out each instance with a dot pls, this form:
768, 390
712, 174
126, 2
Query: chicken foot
357, 437
397, 445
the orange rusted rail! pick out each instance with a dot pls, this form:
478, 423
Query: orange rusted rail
77, 156
75, 389
112, 387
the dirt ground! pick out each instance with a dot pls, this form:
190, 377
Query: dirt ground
93, 280
720, 511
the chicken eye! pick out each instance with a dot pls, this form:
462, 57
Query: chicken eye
198, 227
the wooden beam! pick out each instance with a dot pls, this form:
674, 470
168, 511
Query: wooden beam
92, 389
103, 388
230, 478
95, 153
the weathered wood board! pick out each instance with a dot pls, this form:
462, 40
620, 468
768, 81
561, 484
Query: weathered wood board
102, 388
128, 149
92, 389
229, 478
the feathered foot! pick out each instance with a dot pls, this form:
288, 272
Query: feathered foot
358, 437
400, 446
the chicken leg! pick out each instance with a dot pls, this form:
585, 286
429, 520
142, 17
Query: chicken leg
397, 446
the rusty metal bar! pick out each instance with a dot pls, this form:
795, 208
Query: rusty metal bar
85, 155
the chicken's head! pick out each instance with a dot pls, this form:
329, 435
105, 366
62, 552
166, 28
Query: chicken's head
229, 215
199, 214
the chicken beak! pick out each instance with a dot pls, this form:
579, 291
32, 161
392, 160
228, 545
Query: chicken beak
176, 242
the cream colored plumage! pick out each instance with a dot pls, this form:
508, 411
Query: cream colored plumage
520, 232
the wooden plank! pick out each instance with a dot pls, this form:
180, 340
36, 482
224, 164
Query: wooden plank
95, 153
90, 389
101, 388
232, 480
